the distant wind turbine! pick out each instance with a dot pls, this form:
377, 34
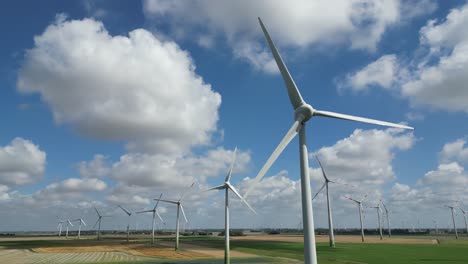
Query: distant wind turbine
68, 224
388, 220
79, 227
303, 112
227, 186
99, 222
59, 226
180, 208
359, 202
464, 217
128, 224
452, 208
155, 212
378, 218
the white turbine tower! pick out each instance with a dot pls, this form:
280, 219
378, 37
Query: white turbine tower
227, 186
359, 202
378, 218
303, 112
464, 217
452, 208
128, 224
155, 212
59, 226
79, 227
180, 208
99, 222
388, 220
68, 224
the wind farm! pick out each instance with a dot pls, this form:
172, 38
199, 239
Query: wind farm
210, 132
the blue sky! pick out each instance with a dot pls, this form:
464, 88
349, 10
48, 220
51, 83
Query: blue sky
92, 94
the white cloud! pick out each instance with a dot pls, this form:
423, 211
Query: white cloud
4, 196
383, 72
21, 162
136, 88
95, 168
455, 151
358, 23
365, 157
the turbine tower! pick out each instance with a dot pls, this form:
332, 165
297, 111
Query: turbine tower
359, 202
388, 220
452, 208
128, 224
155, 212
59, 227
227, 186
378, 218
79, 227
68, 224
99, 222
464, 217
303, 112
180, 208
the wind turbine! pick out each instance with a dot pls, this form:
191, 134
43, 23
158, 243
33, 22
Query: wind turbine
59, 226
452, 208
179, 209
330, 220
128, 224
464, 217
155, 212
359, 202
68, 224
99, 222
227, 186
303, 112
378, 218
79, 228
388, 220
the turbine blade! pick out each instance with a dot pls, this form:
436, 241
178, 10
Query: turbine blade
359, 119
219, 187
183, 213
157, 202
228, 176
182, 197
292, 132
82, 221
240, 197
96, 223
124, 210
147, 211
160, 218
323, 171
321, 188
166, 201
293, 93
97, 211
69, 222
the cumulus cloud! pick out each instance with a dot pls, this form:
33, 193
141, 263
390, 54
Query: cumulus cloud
455, 151
384, 72
95, 168
21, 162
135, 88
359, 23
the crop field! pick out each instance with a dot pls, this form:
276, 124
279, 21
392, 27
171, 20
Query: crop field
248, 249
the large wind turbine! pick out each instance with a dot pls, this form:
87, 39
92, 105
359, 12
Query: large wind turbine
464, 217
227, 186
388, 220
378, 218
303, 112
359, 202
59, 226
179, 209
452, 208
128, 224
68, 224
99, 222
155, 212
79, 227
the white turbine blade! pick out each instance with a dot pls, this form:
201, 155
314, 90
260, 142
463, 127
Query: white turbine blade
359, 119
321, 188
228, 176
147, 211
166, 201
185, 193
183, 213
282, 145
124, 210
219, 187
240, 197
323, 171
97, 211
82, 221
69, 222
160, 218
294, 94
156, 206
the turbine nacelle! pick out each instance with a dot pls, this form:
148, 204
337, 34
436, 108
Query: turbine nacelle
304, 112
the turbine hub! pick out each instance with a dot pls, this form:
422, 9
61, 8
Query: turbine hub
304, 112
